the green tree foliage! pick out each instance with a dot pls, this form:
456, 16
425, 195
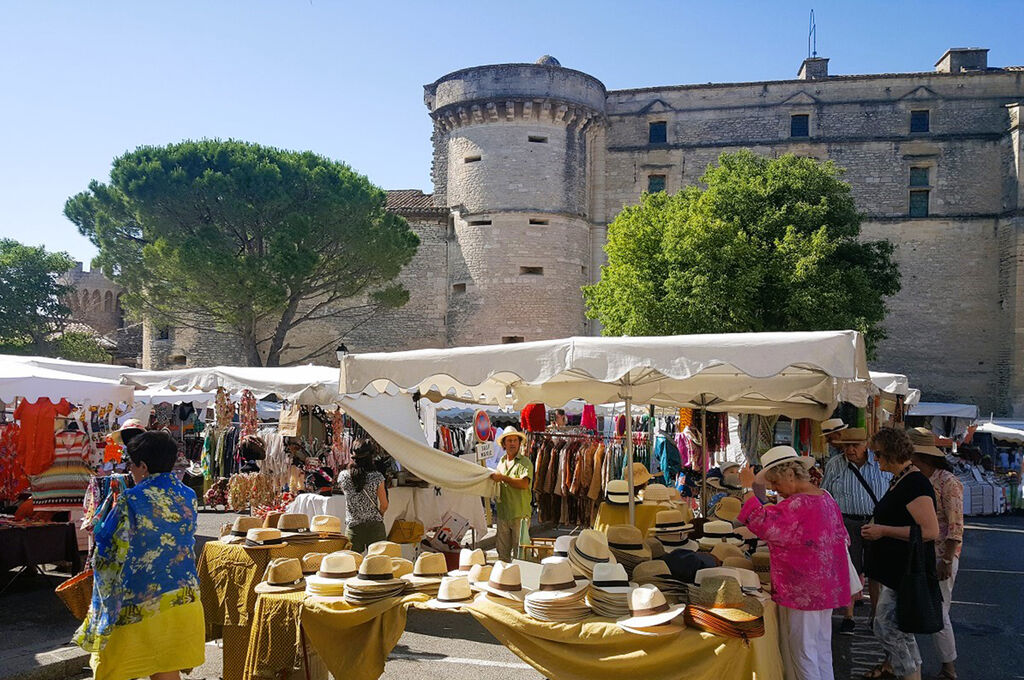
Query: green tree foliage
31, 293
79, 346
247, 240
764, 245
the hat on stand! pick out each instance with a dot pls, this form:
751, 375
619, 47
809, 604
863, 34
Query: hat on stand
427, 572
505, 581
329, 580
454, 592
239, 528
384, 548
374, 581
467, 558
718, 531
627, 544
617, 492
609, 591
590, 548
294, 526
640, 474
559, 597
264, 538
650, 613
326, 525
283, 575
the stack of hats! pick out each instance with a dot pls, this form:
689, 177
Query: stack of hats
271, 519
684, 564
294, 527
657, 573
311, 562
562, 545
560, 597
375, 581
609, 591
617, 492
719, 606
427, 573
388, 548
505, 585
239, 528
671, 530
657, 549
283, 575
718, 531
724, 551
762, 566
656, 494
650, 613
590, 548
264, 538
454, 592
627, 544
356, 556
746, 578
327, 526
467, 558
329, 580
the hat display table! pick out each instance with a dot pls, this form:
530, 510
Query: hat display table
27, 545
610, 514
275, 649
228, 574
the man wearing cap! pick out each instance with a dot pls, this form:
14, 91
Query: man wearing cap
515, 478
856, 483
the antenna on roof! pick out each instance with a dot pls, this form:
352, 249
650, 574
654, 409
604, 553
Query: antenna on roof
812, 38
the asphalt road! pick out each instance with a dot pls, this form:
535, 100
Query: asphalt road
988, 617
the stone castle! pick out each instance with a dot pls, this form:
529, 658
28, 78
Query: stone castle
532, 161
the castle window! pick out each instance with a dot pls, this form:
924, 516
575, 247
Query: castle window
655, 183
510, 339
458, 288
800, 125
108, 302
177, 360
538, 222
163, 333
531, 271
657, 133
472, 159
919, 121
538, 140
479, 223
920, 188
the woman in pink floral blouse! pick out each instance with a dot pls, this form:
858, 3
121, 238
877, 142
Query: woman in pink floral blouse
809, 571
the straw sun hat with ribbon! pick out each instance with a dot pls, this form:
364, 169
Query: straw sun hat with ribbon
777, 455
283, 575
384, 548
833, 425
617, 492
650, 612
239, 528
504, 581
509, 432
923, 440
852, 435
590, 548
427, 573
263, 538
467, 558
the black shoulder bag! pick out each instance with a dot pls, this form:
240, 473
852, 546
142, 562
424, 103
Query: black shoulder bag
918, 599
863, 482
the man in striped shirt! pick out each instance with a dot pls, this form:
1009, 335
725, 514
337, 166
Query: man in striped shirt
856, 483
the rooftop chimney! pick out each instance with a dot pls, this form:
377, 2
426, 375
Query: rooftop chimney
957, 59
813, 68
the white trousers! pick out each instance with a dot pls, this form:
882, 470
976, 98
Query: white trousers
807, 649
945, 643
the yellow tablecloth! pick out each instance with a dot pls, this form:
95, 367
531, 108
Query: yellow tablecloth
354, 642
274, 644
597, 649
229, 573
609, 514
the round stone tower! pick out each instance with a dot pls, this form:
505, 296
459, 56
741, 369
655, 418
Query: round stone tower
511, 163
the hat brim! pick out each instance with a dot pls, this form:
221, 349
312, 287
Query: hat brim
929, 451
712, 542
501, 440
663, 630
264, 587
370, 584
851, 441
653, 619
620, 499
690, 545
460, 572
434, 603
615, 590
552, 595
833, 430
517, 595
264, 547
806, 461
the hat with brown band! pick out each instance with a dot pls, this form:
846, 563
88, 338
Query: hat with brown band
239, 528
264, 538
923, 440
283, 575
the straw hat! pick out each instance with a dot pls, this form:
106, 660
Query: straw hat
674, 496
454, 592
738, 563
783, 454
376, 572
562, 545
723, 596
626, 542
239, 528
747, 578
356, 556
270, 521
557, 582
611, 578
923, 440
590, 548
640, 474
833, 425
657, 549
669, 522
427, 572
718, 531
762, 566
130, 427
326, 524
617, 492
504, 581
677, 541
264, 538
723, 551
479, 573
467, 558
727, 508
400, 566
852, 435
295, 525
336, 566
384, 548
649, 608
656, 493
311, 562
510, 431
283, 575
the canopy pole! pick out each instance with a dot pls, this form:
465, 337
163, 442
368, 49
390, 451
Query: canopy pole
704, 459
629, 456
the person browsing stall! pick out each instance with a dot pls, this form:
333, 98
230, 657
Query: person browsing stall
856, 482
514, 477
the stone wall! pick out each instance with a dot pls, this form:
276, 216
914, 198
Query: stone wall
95, 300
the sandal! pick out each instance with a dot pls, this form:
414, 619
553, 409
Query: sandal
944, 675
880, 672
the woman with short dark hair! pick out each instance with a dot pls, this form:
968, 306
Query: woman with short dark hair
145, 618
366, 500
909, 501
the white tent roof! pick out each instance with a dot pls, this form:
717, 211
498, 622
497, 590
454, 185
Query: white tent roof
892, 383
1002, 433
105, 371
169, 396
881, 383
935, 408
795, 374
307, 384
24, 379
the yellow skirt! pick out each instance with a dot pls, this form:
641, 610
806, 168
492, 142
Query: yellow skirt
170, 640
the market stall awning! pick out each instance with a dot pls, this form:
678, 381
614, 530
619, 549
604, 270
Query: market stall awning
26, 380
936, 408
889, 385
105, 371
1002, 432
795, 374
169, 396
307, 384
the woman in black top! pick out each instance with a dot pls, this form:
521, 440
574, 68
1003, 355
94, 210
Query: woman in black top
909, 501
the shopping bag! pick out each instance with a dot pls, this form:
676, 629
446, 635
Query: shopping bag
918, 598
855, 583
405, 531
449, 533
288, 422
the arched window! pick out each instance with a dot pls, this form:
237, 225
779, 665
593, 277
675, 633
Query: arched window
95, 299
120, 311
85, 300
108, 302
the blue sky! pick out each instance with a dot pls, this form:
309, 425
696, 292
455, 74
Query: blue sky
84, 82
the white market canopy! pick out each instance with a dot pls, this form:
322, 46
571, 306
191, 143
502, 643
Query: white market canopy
26, 380
935, 408
168, 396
882, 384
1002, 432
794, 374
105, 371
307, 384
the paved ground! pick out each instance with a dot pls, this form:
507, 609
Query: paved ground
988, 618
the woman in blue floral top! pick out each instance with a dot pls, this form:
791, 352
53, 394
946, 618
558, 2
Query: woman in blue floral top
145, 618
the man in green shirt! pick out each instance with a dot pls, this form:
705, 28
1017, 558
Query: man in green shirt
515, 479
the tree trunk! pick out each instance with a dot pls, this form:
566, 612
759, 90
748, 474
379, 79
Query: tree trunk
252, 352
281, 332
